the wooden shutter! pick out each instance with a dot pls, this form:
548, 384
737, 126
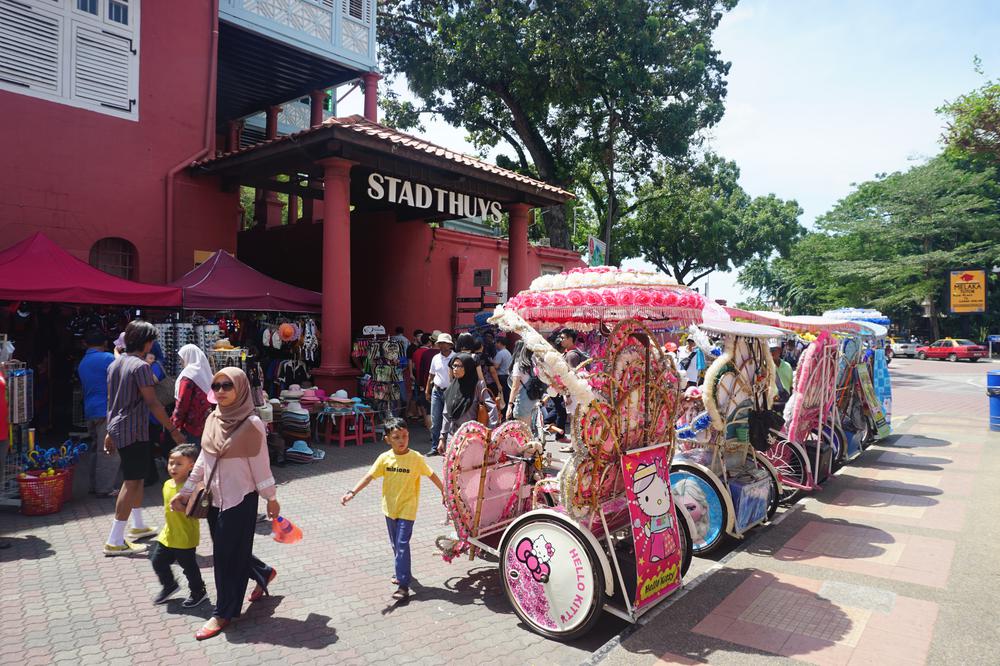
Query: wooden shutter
30, 47
102, 67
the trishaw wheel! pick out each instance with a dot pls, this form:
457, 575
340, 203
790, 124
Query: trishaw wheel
685, 539
700, 497
552, 577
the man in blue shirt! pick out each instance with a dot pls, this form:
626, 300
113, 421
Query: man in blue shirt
93, 371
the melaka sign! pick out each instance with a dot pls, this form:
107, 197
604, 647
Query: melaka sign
967, 292
406, 193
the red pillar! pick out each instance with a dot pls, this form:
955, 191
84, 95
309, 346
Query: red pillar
268, 204
335, 371
518, 278
312, 209
234, 129
371, 80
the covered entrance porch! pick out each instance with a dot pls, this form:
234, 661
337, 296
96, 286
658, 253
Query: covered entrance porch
387, 183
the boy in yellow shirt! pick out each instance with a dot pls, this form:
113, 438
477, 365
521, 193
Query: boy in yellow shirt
400, 470
180, 535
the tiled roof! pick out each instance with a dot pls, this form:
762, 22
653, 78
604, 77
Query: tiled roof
367, 128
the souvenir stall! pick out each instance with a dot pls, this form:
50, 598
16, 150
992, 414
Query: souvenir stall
605, 533
721, 475
52, 299
379, 357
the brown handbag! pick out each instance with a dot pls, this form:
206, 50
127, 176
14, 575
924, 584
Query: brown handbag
201, 499
483, 414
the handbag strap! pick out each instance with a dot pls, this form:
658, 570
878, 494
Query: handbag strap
222, 454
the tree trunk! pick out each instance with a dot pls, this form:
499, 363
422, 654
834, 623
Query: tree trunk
557, 227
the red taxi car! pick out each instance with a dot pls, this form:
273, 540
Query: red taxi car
953, 350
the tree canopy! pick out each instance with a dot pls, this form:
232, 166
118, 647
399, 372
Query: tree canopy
972, 126
576, 90
890, 244
692, 222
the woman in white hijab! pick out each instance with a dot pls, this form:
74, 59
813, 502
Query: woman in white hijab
193, 393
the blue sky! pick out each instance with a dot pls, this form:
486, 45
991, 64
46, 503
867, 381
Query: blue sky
825, 94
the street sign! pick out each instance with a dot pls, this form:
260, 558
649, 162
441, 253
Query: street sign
993, 338
967, 292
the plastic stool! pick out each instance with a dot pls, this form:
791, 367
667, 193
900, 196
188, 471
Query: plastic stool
343, 434
366, 427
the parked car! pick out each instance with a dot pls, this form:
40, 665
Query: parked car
953, 350
902, 348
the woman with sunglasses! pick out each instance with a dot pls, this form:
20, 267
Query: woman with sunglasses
463, 397
233, 445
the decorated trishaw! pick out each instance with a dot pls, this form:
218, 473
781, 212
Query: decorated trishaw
719, 474
605, 533
863, 415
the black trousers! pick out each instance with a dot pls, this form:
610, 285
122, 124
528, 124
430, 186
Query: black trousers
232, 549
162, 557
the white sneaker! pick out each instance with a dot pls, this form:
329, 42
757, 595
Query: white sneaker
136, 533
126, 549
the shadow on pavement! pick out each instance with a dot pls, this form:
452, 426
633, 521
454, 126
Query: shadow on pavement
758, 614
312, 633
905, 442
27, 547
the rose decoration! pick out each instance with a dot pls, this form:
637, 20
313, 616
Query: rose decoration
575, 297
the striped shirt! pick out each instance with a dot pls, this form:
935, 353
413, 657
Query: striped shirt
128, 415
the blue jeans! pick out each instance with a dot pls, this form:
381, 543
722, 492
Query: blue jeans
400, 530
437, 415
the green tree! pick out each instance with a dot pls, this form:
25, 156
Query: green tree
577, 90
890, 243
972, 126
692, 222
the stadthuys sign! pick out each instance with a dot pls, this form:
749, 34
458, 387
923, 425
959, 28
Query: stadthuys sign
407, 193
967, 292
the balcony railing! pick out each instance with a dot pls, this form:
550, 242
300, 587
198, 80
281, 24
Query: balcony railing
342, 30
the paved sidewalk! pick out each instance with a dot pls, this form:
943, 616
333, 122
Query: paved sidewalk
62, 601
893, 562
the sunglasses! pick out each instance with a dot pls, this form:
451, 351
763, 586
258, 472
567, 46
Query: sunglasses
222, 386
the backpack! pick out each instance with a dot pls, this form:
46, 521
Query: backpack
535, 388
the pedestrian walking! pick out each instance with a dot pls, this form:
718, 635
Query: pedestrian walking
131, 400
180, 535
193, 398
463, 398
93, 373
234, 460
526, 390
502, 360
438, 380
400, 470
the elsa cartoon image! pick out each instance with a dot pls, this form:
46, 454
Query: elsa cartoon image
689, 494
652, 492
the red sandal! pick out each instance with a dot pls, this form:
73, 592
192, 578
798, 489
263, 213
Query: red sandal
259, 592
203, 633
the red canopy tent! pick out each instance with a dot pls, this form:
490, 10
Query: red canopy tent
36, 269
225, 283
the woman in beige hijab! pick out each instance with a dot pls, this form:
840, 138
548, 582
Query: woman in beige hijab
233, 444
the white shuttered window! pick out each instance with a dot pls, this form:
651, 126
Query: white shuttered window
65, 51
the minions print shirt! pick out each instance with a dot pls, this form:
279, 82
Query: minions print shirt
400, 476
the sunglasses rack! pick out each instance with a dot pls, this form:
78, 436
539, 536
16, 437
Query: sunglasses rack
20, 384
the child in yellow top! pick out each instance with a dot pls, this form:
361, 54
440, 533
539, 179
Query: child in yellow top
400, 470
180, 535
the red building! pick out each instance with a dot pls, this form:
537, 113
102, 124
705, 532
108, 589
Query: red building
130, 127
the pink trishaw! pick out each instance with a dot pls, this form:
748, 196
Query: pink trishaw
605, 533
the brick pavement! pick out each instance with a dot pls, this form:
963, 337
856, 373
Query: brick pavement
887, 564
63, 601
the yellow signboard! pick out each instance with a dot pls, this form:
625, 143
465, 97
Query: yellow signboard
967, 291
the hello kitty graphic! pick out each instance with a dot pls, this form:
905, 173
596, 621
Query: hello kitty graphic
536, 555
652, 492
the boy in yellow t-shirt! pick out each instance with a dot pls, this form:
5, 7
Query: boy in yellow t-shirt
400, 470
180, 535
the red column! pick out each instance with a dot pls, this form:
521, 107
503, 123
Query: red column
234, 129
312, 209
268, 204
518, 278
335, 370
371, 80
317, 98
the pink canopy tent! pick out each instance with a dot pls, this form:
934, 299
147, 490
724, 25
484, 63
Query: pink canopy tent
36, 269
225, 283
